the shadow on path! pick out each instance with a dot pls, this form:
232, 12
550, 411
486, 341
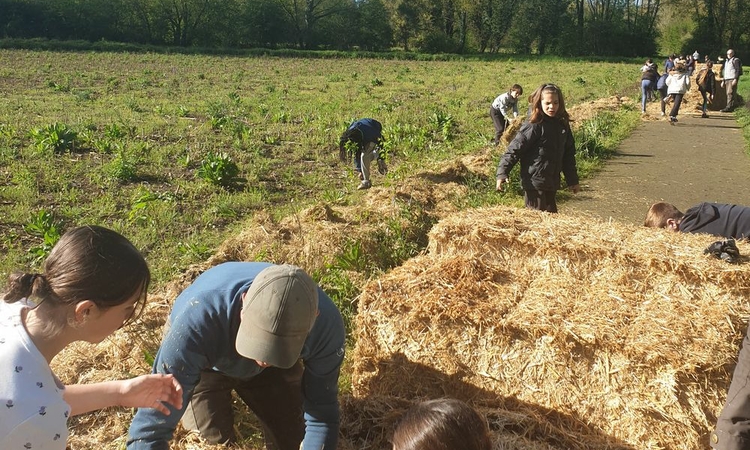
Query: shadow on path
692, 161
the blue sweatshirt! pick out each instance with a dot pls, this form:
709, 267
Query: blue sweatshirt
203, 328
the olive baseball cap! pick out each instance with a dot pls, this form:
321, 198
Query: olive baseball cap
278, 312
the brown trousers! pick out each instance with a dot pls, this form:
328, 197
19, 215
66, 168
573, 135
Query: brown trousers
274, 396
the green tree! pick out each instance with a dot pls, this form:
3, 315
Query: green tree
375, 32
538, 23
304, 15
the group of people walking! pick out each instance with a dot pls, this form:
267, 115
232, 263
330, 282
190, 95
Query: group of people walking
674, 83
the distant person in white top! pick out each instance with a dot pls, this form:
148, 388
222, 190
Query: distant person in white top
730, 75
93, 282
504, 109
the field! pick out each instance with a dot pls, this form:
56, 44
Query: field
183, 153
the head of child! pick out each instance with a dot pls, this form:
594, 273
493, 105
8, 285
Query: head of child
516, 91
663, 215
444, 424
680, 65
93, 280
709, 64
547, 101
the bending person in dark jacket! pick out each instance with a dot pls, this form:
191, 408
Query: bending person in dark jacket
719, 219
248, 327
363, 140
545, 147
732, 430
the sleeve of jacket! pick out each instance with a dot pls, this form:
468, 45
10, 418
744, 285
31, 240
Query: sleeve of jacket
323, 355
524, 139
569, 159
150, 429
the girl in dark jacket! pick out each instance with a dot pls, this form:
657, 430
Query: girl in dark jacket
545, 147
706, 82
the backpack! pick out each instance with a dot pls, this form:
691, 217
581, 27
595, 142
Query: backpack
661, 83
739, 67
702, 78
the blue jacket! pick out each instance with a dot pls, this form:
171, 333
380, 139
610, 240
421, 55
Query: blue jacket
719, 219
545, 149
203, 327
371, 130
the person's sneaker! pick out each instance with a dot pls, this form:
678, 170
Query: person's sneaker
672, 119
662, 114
725, 110
382, 168
704, 116
365, 184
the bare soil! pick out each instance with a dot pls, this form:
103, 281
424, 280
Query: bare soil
695, 160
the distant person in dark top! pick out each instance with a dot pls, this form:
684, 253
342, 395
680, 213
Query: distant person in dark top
706, 81
362, 140
719, 219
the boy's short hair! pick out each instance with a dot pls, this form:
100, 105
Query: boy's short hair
660, 213
517, 88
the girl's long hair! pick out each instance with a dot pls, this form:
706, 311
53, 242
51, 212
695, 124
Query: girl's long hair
535, 100
87, 263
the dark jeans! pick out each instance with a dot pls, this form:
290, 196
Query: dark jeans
275, 396
677, 98
500, 124
704, 94
541, 200
733, 426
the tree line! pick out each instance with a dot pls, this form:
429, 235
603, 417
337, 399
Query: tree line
561, 27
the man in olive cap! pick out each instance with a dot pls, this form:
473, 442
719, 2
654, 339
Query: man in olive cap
247, 327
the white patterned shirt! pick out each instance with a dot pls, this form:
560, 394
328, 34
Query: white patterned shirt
33, 414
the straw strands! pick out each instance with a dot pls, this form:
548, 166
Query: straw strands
573, 333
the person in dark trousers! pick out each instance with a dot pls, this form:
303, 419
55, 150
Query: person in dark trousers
730, 75
504, 109
363, 140
706, 81
264, 331
678, 83
719, 219
545, 147
732, 430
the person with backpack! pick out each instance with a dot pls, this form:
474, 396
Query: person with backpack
706, 81
730, 75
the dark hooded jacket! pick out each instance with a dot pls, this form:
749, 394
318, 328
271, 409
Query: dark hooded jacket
545, 149
729, 221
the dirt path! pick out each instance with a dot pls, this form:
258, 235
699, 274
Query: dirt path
692, 161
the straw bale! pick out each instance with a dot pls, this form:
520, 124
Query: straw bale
578, 114
630, 331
